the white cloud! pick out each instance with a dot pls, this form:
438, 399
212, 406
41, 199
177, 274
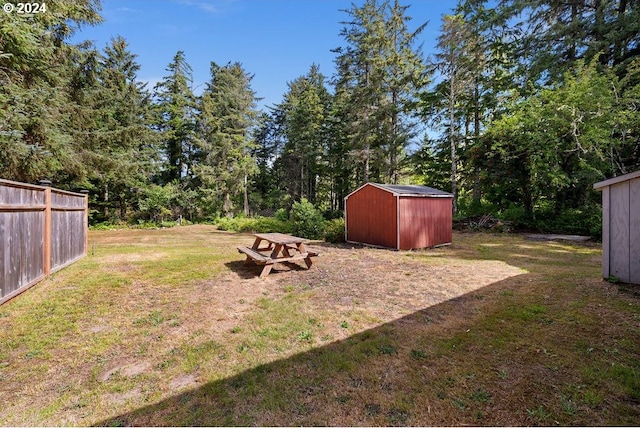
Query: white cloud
127, 9
203, 5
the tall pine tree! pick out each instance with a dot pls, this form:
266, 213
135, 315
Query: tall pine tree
175, 107
227, 115
110, 127
303, 115
34, 143
379, 72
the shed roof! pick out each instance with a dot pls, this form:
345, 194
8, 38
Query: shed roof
412, 190
614, 180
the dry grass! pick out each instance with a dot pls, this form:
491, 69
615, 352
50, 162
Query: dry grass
170, 327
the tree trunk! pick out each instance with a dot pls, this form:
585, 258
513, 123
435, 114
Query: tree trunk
452, 140
573, 52
477, 192
393, 160
246, 195
619, 48
105, 199
367, 157
226, 206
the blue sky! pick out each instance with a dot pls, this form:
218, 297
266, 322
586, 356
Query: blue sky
275, 40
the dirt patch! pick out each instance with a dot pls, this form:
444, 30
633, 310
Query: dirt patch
385, 284
182, 382
98, 328
122, 397
128, 370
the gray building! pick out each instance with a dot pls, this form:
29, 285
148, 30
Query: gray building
621, 227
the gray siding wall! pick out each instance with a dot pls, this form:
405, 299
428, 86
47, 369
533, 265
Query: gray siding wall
621, 230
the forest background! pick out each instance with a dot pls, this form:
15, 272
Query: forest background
533, 101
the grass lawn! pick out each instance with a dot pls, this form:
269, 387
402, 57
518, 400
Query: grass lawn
169, 327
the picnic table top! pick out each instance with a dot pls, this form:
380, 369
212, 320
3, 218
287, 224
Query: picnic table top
280, 238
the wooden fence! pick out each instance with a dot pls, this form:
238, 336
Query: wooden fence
42, 230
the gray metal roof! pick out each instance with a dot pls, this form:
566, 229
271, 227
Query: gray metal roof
409, 190
616, 180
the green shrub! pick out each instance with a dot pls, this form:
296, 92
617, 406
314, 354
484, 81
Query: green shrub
334, 231
227, 223
157, 201
106, 226
571, 221
306, 220
282, 215
516, 215
467, 207
253, 224
333, 214
271, 224
584, 221
595, 223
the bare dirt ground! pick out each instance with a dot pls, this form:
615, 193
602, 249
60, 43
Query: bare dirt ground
384, 283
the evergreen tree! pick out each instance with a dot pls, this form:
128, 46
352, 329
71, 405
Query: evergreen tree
266, 194
454, 65
303, 115
476, 64
407, 75
175, 107
340, 170
379, 72
33, 72
227, 115
110, 127
554, 34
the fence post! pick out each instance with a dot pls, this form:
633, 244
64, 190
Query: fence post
47, 227
86, 220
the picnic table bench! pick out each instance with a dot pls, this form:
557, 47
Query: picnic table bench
279, 248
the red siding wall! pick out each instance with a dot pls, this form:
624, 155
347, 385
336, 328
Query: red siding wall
425, 222
371, 217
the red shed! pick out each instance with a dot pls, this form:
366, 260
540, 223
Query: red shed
399, 216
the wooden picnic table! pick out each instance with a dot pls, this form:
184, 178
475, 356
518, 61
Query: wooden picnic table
271, 248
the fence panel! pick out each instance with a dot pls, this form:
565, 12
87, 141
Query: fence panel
68, 228
22, 221
41, 230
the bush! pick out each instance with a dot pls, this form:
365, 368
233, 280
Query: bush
157, 201
572, 221
585, 221
271, 224
334, 231
306, 220
253, 224
333, 214
282, 215
467, 207
516, 215
107, 226
229, 223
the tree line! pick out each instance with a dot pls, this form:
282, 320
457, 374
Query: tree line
524, 105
